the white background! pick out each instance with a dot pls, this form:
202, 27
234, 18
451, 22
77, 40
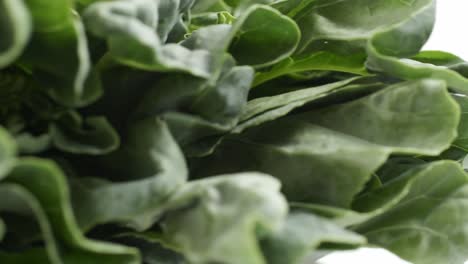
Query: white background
450, 34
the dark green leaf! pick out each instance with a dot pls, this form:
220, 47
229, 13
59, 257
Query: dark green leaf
428, 224
301, 235
154, 168
15, 30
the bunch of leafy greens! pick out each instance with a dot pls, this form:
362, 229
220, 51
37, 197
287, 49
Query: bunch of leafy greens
229, 132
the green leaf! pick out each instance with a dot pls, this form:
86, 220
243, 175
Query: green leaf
153, 166
269, 108
165, 154
296, 8
151, 249
92, 136
335, 38
7, 153
371, 202
206, 216
197, 136
139, 45
439, 58
428, 224
327, 155
38, 188
169, 15
223, 102
31, 144
197, 111
15, 30
240, 6
2, 229
387, 51
399, 117
462, 140
261, 27
301, 235
321, 60
314, 164
199, 21
248, 42
58, 53
338, 216
206, 6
